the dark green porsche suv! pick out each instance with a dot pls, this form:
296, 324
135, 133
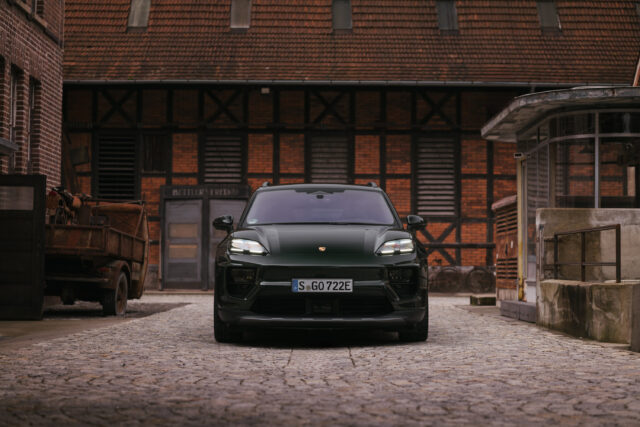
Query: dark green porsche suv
320, 256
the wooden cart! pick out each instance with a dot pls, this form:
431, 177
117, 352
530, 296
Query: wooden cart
103, 258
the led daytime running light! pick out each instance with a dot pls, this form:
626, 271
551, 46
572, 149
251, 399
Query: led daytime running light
392, 247
244, 246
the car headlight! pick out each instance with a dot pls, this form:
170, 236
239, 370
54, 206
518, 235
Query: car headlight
243, 246
401, 246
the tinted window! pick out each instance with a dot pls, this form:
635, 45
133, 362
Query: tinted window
318, 206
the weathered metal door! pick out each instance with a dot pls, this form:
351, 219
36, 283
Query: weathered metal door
22, 217
219, 207
183, 244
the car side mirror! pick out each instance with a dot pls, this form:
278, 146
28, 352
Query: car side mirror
415, 222
223, 223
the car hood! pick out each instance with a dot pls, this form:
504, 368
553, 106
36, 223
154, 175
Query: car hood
350, 243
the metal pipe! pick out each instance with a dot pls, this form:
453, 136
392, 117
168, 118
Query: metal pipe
583, 257
618, 255
596, 171
555, 257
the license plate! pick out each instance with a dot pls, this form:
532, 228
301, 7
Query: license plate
322, 285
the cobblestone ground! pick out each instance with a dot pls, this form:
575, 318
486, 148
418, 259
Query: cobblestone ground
167, 369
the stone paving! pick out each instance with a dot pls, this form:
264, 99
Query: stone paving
167, 369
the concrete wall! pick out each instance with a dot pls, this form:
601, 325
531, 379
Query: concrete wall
600, 246
600, 311
597, 308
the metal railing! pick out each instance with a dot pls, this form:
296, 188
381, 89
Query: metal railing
583, 252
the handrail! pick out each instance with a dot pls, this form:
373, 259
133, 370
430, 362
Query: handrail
583, 251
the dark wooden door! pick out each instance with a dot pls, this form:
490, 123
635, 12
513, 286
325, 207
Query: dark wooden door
22, 217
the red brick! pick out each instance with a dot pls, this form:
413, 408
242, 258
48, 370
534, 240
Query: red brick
178, 180
475, 257
367, 109
503, 161
185, 152
260, 108
367, 156
398, 110
291, 153
399, 191
474, 198
154, 107
292, 108
260, 153
474, 156
154, 254
150, 192
399, 154
185, 107
437, 228
474, 233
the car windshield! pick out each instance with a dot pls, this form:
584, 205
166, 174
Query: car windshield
320, 207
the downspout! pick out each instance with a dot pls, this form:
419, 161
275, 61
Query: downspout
521, 215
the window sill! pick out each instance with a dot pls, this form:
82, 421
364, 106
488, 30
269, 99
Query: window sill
7, 147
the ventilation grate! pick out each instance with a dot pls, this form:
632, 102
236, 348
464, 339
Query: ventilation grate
223, 159
117, 167
330, 160
436, 177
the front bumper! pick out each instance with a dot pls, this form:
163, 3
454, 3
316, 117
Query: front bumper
375, 302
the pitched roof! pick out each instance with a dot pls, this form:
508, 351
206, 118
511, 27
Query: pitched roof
391, 41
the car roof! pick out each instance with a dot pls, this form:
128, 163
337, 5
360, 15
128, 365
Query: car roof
319, 187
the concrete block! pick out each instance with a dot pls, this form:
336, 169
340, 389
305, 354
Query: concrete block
482, 299
600, 311
635, 322
520, 310
509, 309
609, 312
527, 312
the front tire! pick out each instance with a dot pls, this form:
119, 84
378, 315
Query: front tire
223, 332
114, 301
420, 332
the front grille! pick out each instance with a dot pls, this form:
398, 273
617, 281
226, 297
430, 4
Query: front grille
341, 306
284, 274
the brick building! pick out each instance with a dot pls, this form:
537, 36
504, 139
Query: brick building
31, 87
185, 103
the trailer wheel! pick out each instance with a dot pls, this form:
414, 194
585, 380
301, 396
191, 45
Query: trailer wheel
114, 301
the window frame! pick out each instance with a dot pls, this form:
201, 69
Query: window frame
139, 11
447, 16
339, 7
546, 7
236, 12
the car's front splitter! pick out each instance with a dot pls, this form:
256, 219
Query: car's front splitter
395, 320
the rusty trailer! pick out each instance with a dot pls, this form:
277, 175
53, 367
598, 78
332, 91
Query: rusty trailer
102, 257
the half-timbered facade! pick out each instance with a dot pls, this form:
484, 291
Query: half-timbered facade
196, 105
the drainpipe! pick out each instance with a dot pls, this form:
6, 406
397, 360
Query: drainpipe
521, 216
596, 159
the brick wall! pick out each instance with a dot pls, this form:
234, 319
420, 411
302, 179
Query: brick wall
30, 45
